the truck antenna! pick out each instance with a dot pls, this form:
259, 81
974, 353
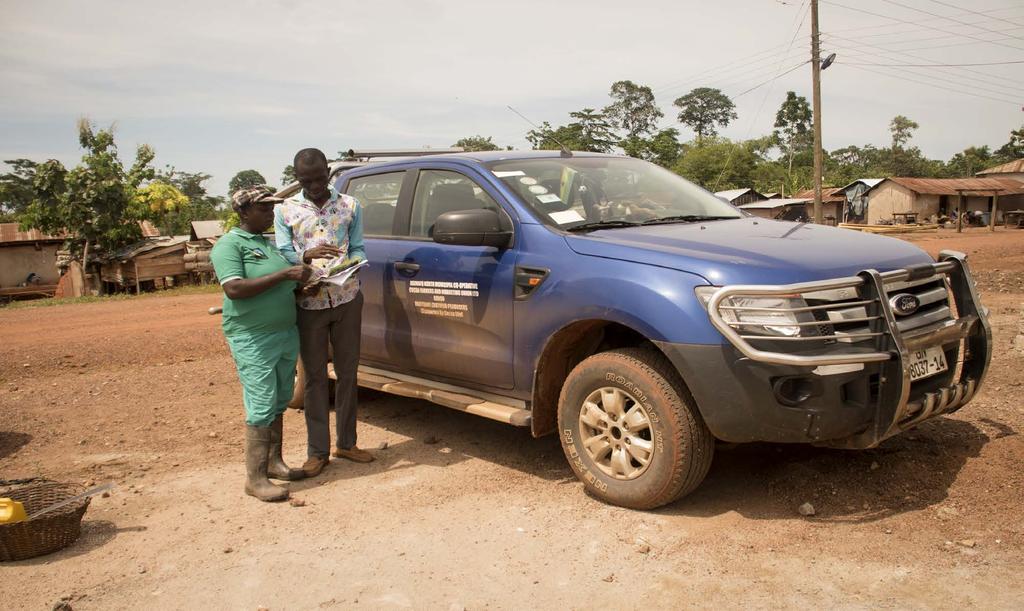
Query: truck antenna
547, 133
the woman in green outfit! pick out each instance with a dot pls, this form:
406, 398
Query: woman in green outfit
259, 325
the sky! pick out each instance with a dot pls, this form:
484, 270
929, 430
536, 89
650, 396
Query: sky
220, 87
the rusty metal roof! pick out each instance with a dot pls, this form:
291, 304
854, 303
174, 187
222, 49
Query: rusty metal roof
828, 194
952, 186
1013, 167
149, 230
9, 233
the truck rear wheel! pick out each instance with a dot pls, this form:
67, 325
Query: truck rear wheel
631, 431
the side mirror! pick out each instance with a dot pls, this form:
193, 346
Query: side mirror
476, 227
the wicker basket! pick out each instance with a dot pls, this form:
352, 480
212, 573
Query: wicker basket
49, 532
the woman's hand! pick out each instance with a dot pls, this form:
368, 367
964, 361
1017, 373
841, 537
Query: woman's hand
324, 251
297, 273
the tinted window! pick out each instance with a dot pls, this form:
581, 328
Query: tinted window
378, 195
440, 191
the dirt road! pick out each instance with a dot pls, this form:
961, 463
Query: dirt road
143, 393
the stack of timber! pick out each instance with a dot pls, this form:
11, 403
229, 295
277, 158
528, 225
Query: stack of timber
198, 261
197, 257
887, 229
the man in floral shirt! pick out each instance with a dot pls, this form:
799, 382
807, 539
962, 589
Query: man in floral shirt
321, 227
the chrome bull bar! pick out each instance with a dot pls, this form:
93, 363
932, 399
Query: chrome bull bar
896, 410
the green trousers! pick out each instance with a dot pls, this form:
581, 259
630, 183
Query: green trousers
266, 369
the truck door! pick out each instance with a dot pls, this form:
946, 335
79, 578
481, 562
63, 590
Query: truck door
379, 196
456, 300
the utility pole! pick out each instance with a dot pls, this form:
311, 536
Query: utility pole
816, 78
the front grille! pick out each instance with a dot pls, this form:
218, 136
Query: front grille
844, 320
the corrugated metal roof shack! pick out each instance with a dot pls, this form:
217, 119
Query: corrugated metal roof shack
153, 261
781, 209
25, 253
934, 198
832, 201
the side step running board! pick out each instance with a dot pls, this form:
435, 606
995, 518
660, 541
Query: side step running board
460, 399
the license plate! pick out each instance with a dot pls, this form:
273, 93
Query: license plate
927, 362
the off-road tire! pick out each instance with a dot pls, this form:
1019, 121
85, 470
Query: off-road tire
682, 444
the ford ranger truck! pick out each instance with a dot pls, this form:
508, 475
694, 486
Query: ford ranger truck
638, 317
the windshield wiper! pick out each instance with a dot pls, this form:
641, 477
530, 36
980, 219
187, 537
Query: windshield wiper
687, 218
609, 224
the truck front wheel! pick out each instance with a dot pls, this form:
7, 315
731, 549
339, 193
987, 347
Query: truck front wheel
631, 431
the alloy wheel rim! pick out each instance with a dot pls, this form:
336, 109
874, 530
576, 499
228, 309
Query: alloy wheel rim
616, 433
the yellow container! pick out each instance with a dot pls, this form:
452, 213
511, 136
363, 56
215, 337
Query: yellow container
12, 511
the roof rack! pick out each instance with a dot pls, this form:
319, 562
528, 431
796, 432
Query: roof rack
354, 154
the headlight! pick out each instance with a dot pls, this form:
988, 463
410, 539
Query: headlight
768, 315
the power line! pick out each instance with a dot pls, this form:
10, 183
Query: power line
773, 79
745, 64
902, 55
919, 10
903, 77
888, 45
750, 127
972, 12
937, 65
736, 74
919, 26
909, 40
859, 10
997, 88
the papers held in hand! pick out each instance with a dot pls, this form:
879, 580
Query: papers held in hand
338, 274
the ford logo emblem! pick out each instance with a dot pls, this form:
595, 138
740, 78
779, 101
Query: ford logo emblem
904, 304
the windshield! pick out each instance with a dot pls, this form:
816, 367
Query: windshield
614, 191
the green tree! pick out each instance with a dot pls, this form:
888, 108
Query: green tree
16, 190
201, 206
663, 148
95, 202
793, 126
845, 165
287, 175
590, 132
633, 110
901, 129
1012, 150
719, 164
704, 109
244, 179
969, 162
477, 143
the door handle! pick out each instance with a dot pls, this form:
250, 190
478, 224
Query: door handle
406, 268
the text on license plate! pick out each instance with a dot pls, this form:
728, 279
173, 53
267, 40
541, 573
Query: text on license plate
927, 362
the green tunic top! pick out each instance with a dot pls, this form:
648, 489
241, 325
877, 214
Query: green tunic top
240, 254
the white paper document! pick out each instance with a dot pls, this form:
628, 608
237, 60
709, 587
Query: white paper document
340, 277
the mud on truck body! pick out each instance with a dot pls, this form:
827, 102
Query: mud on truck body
639, 318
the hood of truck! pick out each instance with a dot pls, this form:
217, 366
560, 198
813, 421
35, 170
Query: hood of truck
751, 251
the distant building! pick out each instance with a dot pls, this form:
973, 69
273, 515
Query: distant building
204, 230
832, 201
855, 208
151, 261
780, 209
27, 252
738, 197
933, 198
1013, 170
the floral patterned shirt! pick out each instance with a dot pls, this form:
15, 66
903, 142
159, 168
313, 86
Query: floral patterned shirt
299, 225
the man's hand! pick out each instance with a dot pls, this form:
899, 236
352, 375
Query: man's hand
324, 251
298, 273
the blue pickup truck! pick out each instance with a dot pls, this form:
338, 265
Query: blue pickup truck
639, 318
